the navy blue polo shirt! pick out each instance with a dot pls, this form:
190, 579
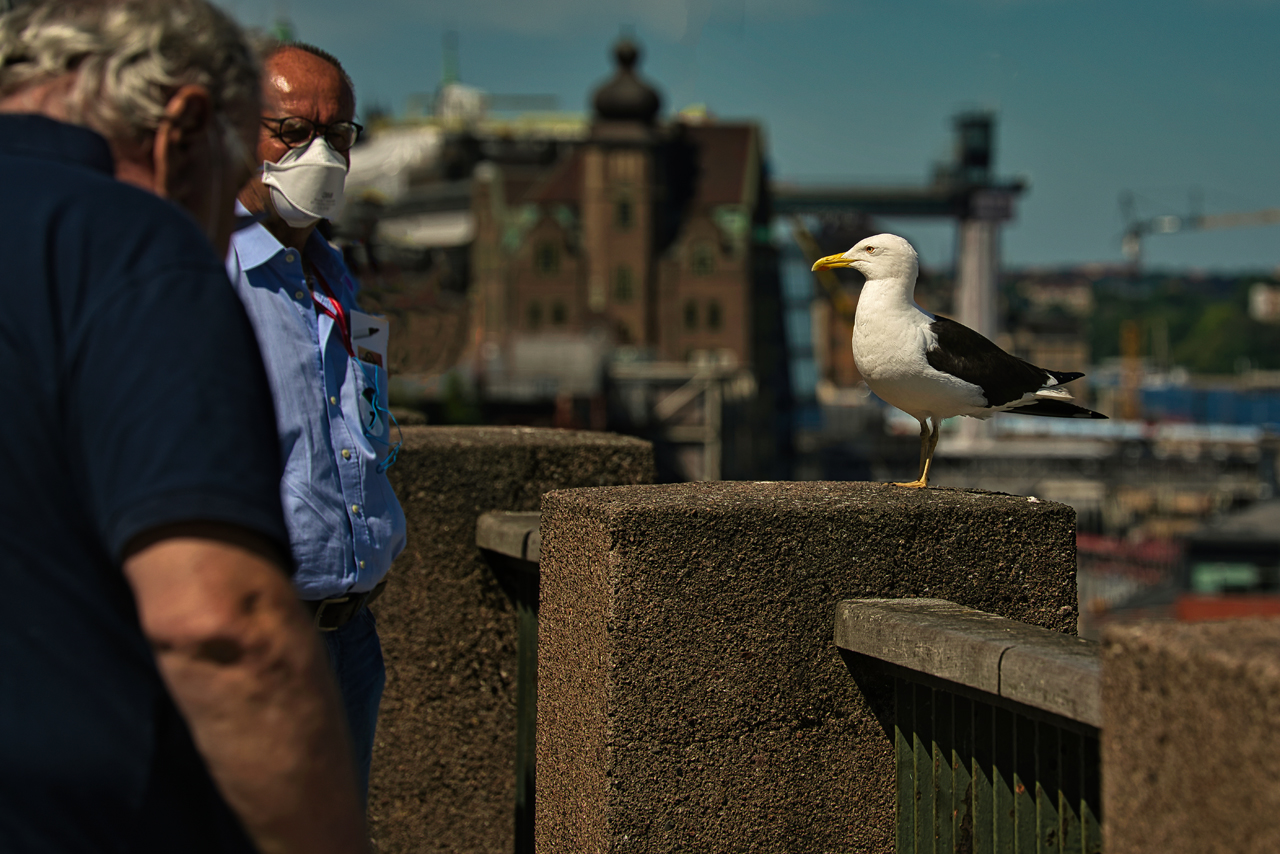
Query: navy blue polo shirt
133, 396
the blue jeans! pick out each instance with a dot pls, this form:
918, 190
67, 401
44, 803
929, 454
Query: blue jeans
356, 656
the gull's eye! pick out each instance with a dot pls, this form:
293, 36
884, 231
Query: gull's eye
871, 250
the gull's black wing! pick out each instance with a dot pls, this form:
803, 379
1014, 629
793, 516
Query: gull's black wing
964, 353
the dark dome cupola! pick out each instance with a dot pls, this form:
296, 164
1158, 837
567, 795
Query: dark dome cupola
625, 97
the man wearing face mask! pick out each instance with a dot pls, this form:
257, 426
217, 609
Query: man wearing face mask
161, 690
326, 364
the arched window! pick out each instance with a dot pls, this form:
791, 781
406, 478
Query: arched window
535, 315
623, 214
623, 287
559, 314
713, 315
702, 259
690, 315
546, 258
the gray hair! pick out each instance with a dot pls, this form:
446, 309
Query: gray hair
130, 57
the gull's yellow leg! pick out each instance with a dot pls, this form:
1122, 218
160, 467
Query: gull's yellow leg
933, 446
926, 453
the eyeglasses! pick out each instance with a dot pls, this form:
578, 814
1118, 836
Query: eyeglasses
294, 131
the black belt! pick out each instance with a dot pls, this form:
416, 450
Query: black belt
331, 614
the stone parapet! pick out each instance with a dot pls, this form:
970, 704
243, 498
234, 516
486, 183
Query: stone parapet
691, 697
1191, 737
444, 759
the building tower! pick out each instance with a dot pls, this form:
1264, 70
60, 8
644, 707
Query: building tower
618, 203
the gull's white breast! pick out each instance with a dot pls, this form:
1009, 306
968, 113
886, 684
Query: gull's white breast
890, 339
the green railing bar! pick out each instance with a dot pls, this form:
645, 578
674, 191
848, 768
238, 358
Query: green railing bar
944, 721
962, 765
984, 807
1048, 786
1071, 795
1089, 818
922, 742
905, 759
1003, 813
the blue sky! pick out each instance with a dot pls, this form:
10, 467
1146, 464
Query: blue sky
1093, 97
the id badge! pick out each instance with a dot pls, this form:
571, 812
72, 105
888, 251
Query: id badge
369, 336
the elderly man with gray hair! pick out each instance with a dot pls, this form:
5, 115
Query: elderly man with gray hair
161, 689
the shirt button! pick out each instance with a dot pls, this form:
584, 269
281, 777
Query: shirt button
332, 400
346, 453
298, 295
355, 508
288, 257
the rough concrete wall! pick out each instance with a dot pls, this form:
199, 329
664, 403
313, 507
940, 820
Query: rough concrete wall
1191, 738
444, 759
690, 694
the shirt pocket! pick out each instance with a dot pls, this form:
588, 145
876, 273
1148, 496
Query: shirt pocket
371, 407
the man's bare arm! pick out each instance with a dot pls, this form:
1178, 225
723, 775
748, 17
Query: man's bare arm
249, 675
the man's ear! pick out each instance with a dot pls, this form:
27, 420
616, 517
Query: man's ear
181, 148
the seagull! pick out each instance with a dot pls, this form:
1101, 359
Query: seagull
931, 367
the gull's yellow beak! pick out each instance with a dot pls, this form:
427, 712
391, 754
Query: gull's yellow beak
831, 261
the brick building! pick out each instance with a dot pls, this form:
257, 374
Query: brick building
644, 235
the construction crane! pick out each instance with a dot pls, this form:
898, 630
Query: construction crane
1137, 229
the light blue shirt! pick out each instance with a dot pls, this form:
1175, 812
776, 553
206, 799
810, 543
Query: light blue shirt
345, 524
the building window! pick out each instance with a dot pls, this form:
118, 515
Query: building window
623, 214
713, 315
623, 287
546, 258
559, 314
691, 315
535, 315
703, 260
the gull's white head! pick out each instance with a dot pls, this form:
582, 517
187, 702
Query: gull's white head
884, 256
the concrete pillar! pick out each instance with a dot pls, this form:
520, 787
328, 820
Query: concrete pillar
691, 697
444, 776
1191, 737
977, 277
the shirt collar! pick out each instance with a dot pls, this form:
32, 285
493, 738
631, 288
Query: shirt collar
255, 246
30, 135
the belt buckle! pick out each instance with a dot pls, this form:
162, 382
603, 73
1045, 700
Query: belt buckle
320, 613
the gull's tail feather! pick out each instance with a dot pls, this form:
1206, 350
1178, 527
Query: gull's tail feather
1060, 377
1056, 409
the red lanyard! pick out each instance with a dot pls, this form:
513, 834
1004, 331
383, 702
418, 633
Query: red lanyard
338, 313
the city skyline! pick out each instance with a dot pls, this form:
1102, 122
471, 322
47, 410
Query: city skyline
1093, 100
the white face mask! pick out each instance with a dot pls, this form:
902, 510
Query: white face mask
307, 184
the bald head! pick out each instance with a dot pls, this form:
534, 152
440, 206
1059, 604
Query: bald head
297, 82
307, 83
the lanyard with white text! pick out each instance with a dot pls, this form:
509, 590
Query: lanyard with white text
338, 313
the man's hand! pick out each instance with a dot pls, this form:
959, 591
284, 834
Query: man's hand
249, 675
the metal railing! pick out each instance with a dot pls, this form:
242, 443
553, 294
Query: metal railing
511, 545
995, 726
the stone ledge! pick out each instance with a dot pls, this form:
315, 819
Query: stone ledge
690, 694
1024, 664
1192, 737
511, 534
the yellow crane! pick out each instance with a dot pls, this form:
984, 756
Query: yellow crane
1138, 229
